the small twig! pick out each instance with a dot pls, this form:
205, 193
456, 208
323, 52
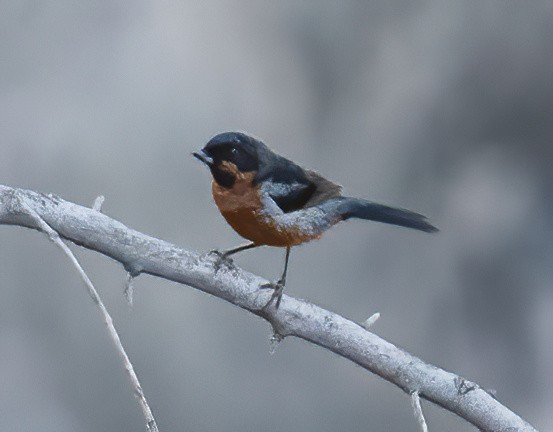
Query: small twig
151, 424
370, 320
416, 403
129, 289
98, 202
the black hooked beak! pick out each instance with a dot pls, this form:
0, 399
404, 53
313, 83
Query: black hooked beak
202, 156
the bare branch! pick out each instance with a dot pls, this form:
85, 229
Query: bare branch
151, 424
140, 253
98, 202
416, 403
129, 289
370, 320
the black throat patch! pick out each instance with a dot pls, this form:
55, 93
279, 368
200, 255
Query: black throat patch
223, 177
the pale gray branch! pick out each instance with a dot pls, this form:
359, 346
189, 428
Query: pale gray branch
371, 320
140, 253
151, 424
98, 202
416, 403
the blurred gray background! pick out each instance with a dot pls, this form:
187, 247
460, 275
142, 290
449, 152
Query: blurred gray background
444, 107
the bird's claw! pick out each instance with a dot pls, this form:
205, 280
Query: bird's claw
220, 260
278, 289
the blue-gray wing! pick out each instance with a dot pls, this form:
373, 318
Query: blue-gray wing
289, 196
292, 187
307, 190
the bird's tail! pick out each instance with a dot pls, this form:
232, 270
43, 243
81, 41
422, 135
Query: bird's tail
362, 209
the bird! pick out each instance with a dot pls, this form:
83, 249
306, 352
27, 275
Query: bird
272, 201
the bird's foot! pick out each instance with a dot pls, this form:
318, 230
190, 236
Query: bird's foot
278, 289
221, 259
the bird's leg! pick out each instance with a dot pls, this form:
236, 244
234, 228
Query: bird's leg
278, 286
223, 257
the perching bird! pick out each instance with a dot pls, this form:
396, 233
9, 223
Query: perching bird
272, 201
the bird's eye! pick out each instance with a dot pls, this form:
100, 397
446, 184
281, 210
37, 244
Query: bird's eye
233, 151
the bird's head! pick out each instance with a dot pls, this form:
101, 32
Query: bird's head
229, 155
